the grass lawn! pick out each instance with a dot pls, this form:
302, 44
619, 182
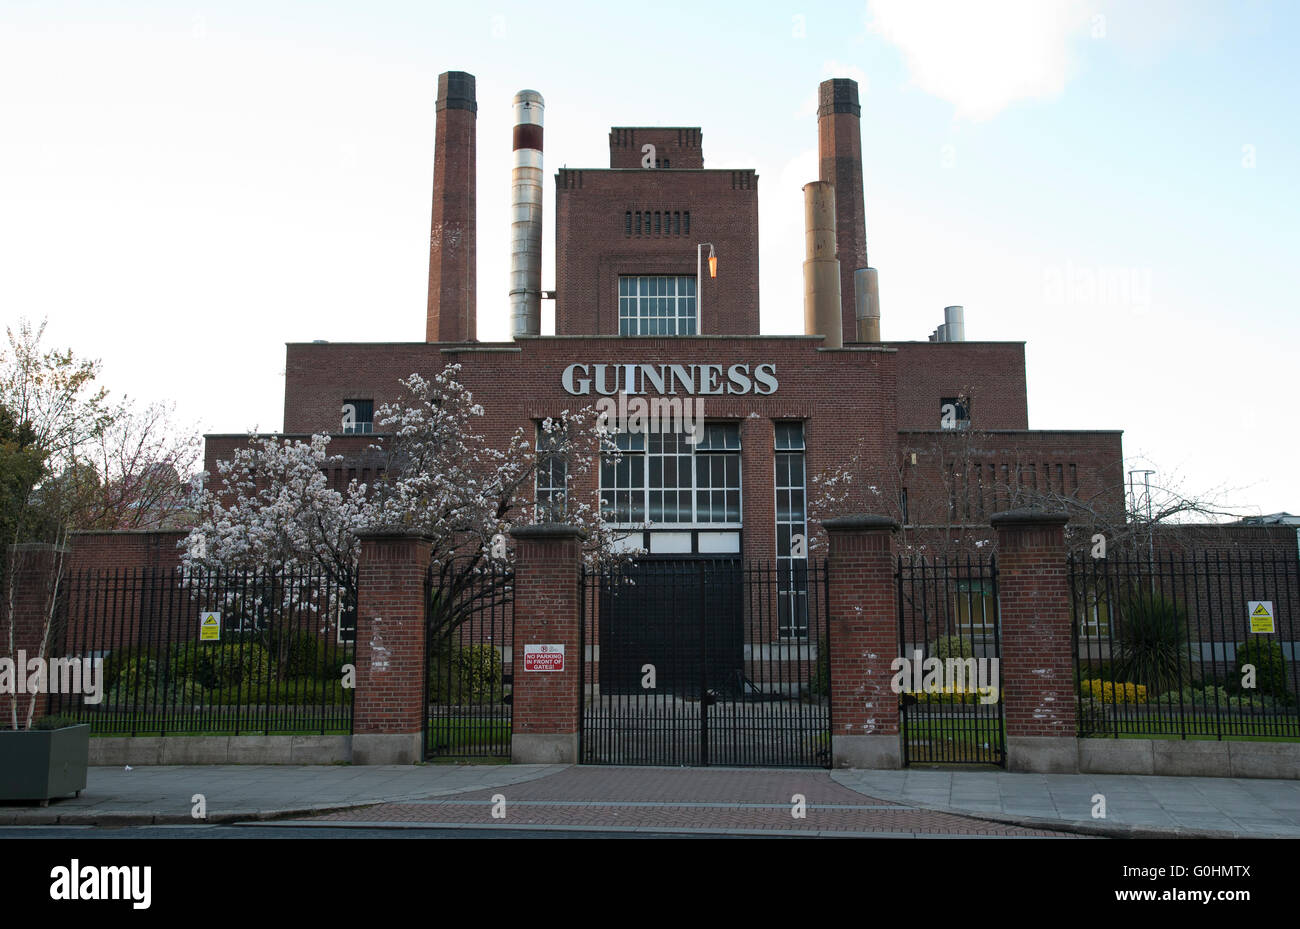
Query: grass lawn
934, 741
460, 737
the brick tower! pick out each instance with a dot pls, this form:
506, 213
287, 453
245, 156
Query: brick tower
839, 146
451, 314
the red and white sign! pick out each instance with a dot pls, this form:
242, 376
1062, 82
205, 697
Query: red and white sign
543, 657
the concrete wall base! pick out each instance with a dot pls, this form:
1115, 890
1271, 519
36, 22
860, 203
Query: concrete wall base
388, 748
544, 749
1190, 758
221, 749
872, 752
1043, 754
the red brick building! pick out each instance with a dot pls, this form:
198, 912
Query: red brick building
939, 429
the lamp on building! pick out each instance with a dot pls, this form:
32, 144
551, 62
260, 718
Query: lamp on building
699, 293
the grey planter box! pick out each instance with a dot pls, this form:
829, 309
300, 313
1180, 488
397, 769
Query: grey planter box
38, 764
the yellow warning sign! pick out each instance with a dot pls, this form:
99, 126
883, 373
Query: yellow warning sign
209, 627
1261, 615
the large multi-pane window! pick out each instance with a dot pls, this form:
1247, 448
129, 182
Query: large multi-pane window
668, 480
552, 475
974, 607
791, 530
656, 305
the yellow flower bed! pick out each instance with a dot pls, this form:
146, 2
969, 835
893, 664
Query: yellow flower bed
1113, 692
950, 694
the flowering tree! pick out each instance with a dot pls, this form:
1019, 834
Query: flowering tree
70, 459
442, 479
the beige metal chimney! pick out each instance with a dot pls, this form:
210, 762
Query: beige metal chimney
822, 311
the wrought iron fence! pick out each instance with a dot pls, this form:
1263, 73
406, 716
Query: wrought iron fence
185, 651
706, 661
1187, 646
470, 619
950, 683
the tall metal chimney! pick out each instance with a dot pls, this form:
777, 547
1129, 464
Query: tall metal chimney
451, 309
822, 310
839, 145
954, 320
526, 216
866, 294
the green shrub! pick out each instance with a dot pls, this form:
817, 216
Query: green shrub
468, 676
1094, 716
219, 665
1270, 668
118, 658
138, 674
187, 693
1151, 642
951, 646
296, 653
1213, 696
302, 692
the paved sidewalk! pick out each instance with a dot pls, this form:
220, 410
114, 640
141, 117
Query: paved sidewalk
731, 800
1205, 807
161, 794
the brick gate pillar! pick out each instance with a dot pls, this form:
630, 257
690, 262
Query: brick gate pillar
863, 642
36, 565
548, 565
389, 707
1037, 654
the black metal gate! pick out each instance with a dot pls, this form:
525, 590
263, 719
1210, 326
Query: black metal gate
470, 619
949, 634
705, 662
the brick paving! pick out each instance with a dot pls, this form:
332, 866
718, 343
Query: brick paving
676, 799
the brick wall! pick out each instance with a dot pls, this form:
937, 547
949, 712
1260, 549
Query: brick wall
547, 609
863, 627
390, 696
992, 374
1034, 598
964, 477
845, 397
675, 146
594, 244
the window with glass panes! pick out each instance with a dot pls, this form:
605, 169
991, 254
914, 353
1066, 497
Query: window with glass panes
791, 522
552, 475
668, 480
656, 305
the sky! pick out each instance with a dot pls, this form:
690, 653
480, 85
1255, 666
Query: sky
185, 187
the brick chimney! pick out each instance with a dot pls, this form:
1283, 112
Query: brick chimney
839, 146
451, 314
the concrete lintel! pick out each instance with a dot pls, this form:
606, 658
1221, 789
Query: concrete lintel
1028, 516
859, 521
548, 531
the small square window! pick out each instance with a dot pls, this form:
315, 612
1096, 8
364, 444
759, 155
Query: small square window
358, 416
954, 413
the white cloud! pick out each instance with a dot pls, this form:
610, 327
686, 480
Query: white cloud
982, 57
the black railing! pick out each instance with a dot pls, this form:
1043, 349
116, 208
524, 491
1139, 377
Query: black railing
705, 662
274, 658
470, 670
1187, 646
950, 687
